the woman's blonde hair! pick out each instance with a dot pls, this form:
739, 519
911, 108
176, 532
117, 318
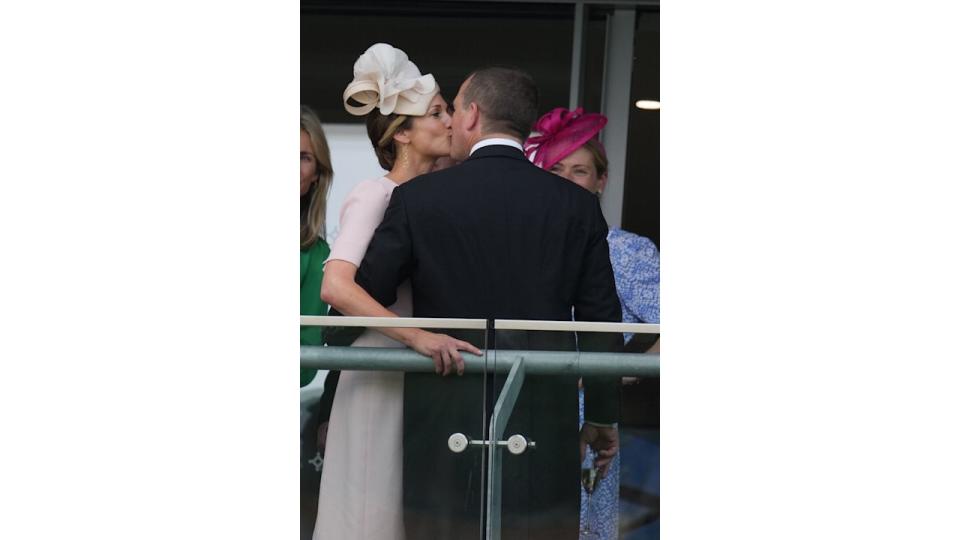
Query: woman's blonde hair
313, 205
599, 155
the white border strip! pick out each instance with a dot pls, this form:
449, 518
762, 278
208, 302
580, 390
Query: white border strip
478, 324
393, 322
575, 326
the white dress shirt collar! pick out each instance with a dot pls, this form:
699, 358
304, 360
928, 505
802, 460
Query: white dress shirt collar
496, 140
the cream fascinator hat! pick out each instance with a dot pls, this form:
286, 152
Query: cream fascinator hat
384, 78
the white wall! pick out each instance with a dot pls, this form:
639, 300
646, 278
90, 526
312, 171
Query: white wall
353, 161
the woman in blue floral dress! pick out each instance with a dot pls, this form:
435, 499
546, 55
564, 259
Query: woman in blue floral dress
567, 146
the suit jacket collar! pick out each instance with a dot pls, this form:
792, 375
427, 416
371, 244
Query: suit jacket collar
498, 150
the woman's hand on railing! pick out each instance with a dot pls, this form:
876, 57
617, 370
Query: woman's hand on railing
443, 349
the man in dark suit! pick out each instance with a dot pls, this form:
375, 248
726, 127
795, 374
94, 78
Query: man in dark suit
498, 238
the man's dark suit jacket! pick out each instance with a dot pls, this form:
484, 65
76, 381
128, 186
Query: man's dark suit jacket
497, 237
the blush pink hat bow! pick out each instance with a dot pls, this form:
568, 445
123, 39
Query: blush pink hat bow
561, 132
385, 78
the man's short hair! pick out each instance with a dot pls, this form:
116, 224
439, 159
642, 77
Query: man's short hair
507, 97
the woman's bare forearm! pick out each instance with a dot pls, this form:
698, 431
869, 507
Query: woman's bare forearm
341, 291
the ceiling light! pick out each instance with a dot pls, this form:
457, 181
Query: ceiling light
649, 105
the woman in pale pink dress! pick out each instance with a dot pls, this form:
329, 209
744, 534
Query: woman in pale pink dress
409, 127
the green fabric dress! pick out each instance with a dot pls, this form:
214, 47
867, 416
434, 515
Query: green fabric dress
311, 276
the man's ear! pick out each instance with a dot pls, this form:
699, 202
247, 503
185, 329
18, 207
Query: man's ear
472, 117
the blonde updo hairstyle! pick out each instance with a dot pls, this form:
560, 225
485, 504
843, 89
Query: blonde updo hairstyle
381, 128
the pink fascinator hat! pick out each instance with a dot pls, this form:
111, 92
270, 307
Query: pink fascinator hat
560, 133
385, 78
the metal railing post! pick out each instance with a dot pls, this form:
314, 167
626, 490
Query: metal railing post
498, 424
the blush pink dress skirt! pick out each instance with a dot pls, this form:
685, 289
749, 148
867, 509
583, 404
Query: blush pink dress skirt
361, 487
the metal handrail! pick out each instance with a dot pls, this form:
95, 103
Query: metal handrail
478, 324
535, 362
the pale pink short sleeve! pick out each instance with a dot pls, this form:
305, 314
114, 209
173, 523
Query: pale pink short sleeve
361, 213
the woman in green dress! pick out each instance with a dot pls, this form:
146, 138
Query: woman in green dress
316, 175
